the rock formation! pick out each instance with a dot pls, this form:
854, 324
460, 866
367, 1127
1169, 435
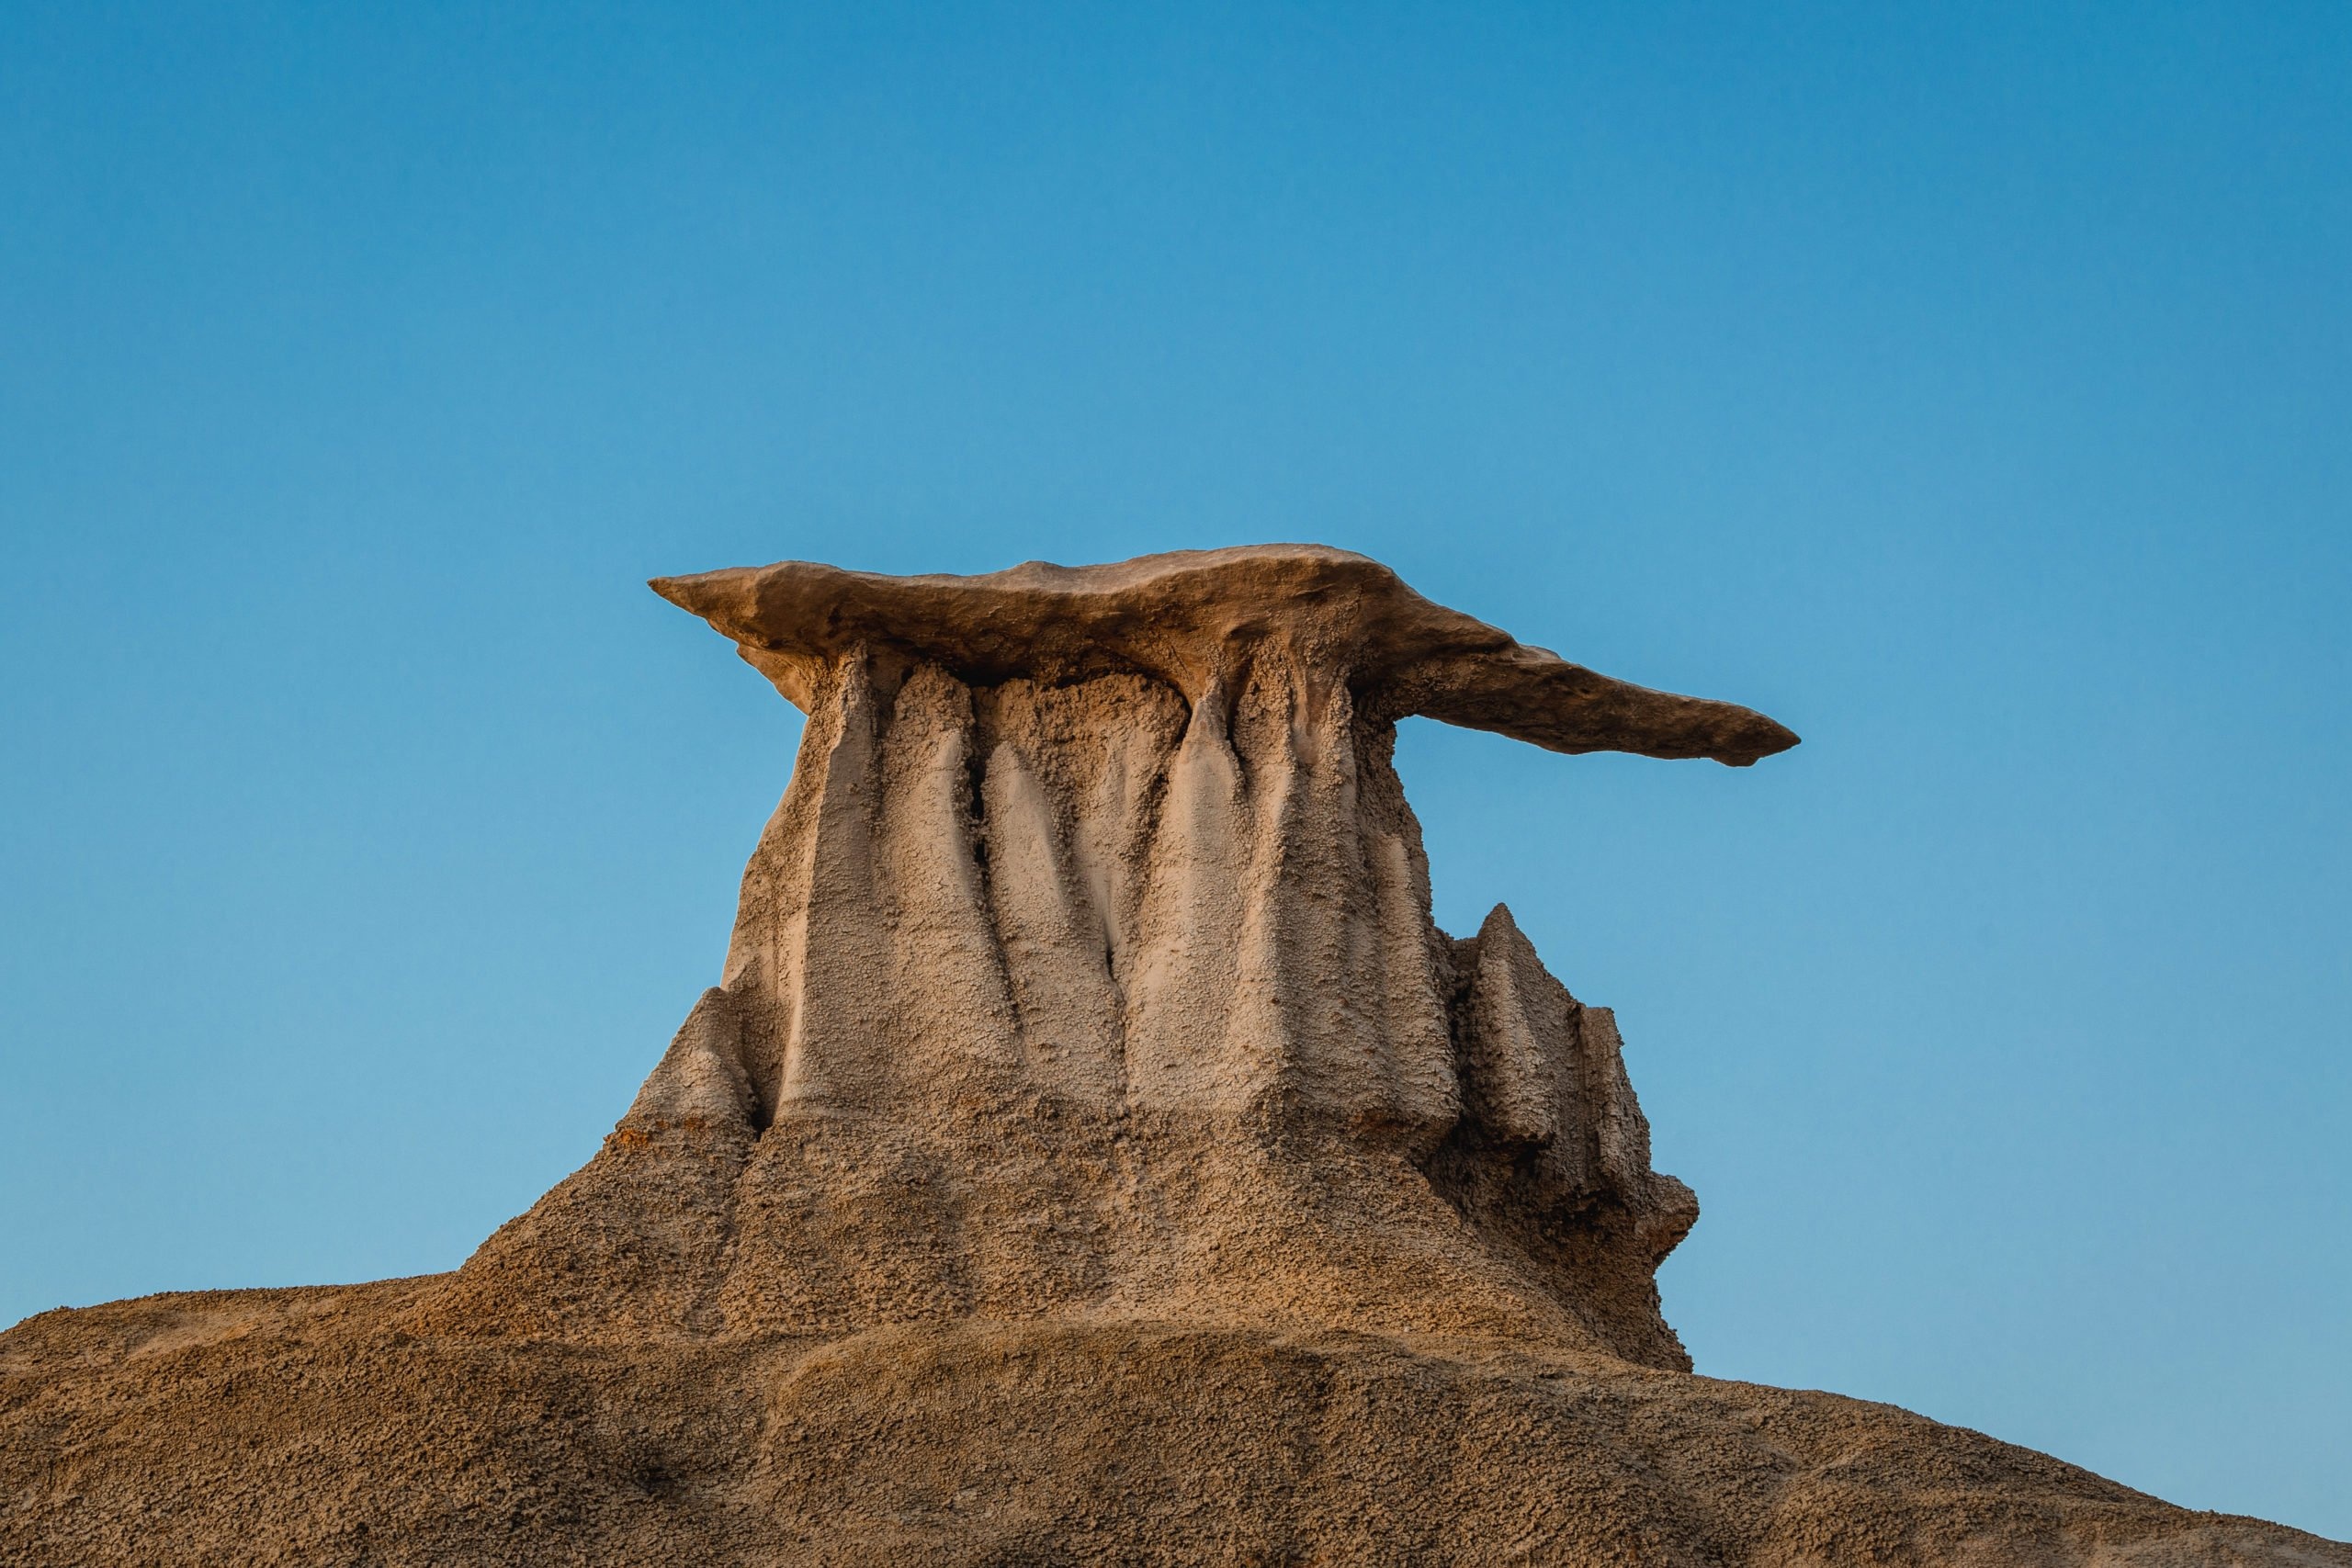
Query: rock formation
1093, 1151
1087, 969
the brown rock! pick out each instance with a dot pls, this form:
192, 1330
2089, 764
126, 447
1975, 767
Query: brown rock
1093, 1152
1197, 621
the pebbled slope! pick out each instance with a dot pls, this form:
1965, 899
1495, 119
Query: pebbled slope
305, 1426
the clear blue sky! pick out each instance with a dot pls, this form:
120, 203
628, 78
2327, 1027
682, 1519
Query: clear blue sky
1969, 387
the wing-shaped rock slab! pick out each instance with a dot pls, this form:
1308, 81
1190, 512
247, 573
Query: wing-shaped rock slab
1197, 619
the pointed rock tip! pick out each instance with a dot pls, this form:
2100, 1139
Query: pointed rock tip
688, 591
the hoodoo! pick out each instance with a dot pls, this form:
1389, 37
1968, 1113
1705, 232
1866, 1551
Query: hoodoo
1093, 1151
1087, 970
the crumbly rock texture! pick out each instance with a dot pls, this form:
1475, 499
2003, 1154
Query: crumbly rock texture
1093, 1153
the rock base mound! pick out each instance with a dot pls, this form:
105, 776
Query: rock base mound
307, 1427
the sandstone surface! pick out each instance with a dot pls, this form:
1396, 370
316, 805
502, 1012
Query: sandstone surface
1093, 1152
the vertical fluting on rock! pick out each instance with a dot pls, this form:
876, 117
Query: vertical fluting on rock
994, 887
1055, 944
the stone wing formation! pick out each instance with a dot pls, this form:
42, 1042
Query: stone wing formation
1086, 966
1093, 1152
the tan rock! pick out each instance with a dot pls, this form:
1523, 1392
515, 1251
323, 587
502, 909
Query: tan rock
1094, 1152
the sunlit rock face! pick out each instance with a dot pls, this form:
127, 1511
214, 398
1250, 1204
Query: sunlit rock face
1087, 968
1092, 1153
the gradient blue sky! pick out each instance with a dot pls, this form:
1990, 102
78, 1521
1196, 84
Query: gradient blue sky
1970, 388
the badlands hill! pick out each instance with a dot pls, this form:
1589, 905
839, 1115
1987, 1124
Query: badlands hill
1093, 1153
